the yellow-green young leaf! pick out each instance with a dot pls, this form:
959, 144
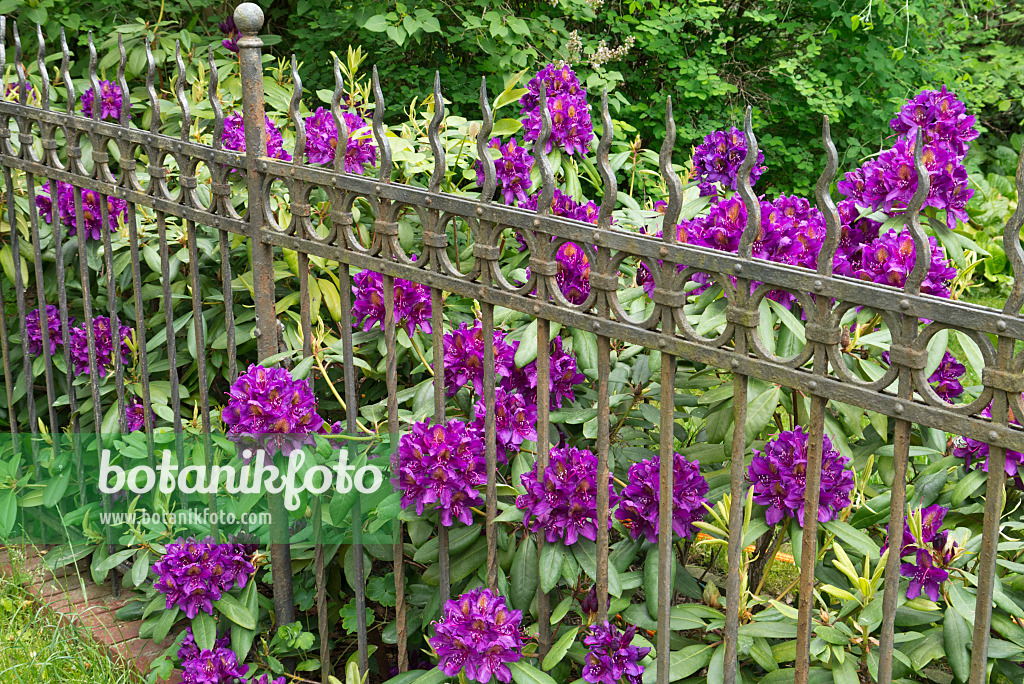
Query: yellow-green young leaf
560, 648
835, 591
331, 297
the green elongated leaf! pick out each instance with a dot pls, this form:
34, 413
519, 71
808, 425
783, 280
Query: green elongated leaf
682, 663
560, 648
527, 350
112, 561
967, 486
975, 361
585, 345
716, 667
459, 538
523, 673
164, 623
204, 629
760, 410
769, 630
963, 600
846, 672
550, 571
651, 572
8, 511
585, 552
523, 577
229, 607
242, 638
956, 634
791, 322
853, 538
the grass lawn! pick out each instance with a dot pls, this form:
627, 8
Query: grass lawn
36, 649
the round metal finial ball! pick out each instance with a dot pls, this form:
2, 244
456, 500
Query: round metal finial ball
249, 18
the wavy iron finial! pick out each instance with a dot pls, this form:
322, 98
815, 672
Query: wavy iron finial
672, 183
44, 77
299, 158
604, 167
179, 92
922, 261
547, 177
94, 82
434, 136
746, 190
378, 130
482, 139
154, 101
826, 206
19, 67
65, 65
339, 118
215, 105
122, 63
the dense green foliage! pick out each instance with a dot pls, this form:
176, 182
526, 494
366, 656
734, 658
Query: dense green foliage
794, 61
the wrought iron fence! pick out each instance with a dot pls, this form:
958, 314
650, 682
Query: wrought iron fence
169, 192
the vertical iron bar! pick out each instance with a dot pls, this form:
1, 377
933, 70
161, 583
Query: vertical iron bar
249, 20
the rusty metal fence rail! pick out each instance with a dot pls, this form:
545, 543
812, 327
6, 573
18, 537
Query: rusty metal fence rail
817, 371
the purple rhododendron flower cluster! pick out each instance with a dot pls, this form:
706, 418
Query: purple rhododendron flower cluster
205, 666
571, 127
779, 477
511, 168
440, 466
92, 211
718, 159
611, 656
231, 32
931, 557
563, 375
412, 303
103, 338
946, 378
110, 101
233, 137
939, 121
135, 415
564, 505
478, 636
193, 574
322, 140
890, 258
515, 420
975, 452
638, 509
53, 328
265, 404
464, 357
573, 274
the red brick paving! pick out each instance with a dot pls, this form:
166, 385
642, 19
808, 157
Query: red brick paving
70, 593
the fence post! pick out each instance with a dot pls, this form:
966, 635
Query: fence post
249, 20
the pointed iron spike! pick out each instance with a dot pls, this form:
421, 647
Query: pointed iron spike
746, 191
1012, 245
339, 117
434, 136
669, 232
218, 110
65, 74
378, 130
3, 39
826, 205
913, 222
604, 166
94, 81
483, 138
154, 101
547, 178
123, 115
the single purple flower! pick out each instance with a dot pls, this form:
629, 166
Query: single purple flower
135, 415
925, 576
975, 453
231, 32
